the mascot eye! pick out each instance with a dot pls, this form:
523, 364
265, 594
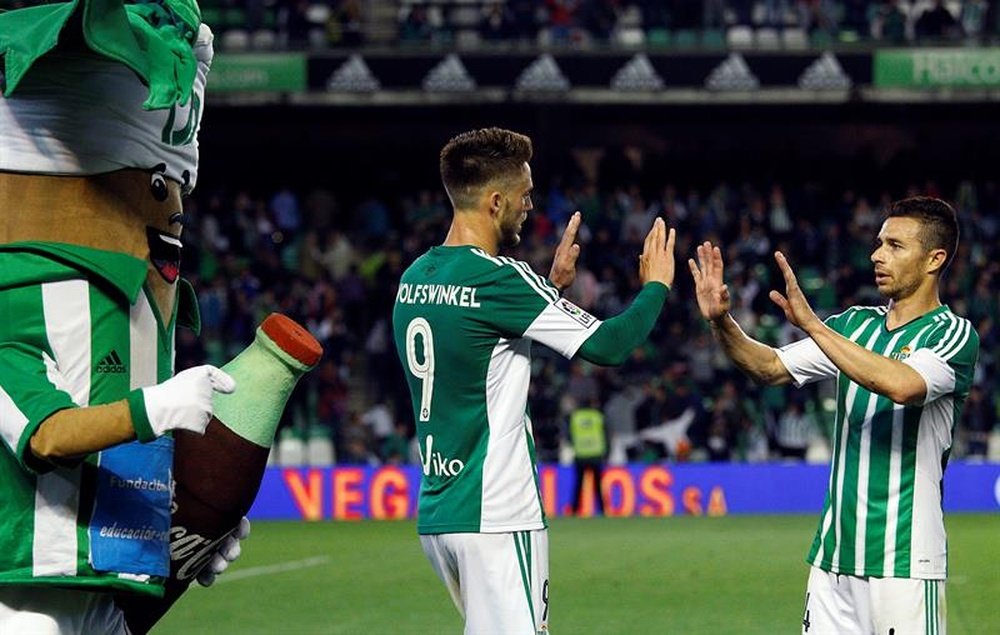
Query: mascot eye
158, 186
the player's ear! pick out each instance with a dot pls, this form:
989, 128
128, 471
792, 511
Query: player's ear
936, 260
496, 202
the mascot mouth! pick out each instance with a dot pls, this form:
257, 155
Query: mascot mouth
165, 253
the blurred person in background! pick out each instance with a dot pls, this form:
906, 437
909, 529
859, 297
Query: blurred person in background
464, 321
794, 430
903, 372
590, 446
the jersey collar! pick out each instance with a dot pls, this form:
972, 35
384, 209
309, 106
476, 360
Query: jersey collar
125, 273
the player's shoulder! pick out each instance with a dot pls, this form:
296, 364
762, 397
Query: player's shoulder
947, 316
953, 334
519, 273
861, 310
474, 267
464, 265
856, 314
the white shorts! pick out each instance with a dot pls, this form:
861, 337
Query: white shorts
499, 582
849, 605
51, 611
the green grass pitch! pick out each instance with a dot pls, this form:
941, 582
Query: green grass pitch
737, 574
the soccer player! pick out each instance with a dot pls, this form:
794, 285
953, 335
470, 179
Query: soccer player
464, 321
903, 371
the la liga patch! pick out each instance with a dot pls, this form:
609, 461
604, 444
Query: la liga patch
575, 312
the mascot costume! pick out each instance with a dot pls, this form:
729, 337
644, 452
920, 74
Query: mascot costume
122, 481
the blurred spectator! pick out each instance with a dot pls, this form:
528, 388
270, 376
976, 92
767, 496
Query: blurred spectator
980, 419
590, 445
345, 26
354, 443
496, 22
795, 430
415, 25
937, 23
395, 448
889, 23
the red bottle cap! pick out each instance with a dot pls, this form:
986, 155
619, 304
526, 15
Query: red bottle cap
292, 338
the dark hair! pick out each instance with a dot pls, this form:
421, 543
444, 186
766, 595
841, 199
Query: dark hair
939, 223
476, 158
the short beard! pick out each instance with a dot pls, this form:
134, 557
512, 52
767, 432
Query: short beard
900, 291
509, 236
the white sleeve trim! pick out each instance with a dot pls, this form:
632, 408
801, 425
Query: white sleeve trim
806, 362
12, 421
937, 374
535, 281
563, 327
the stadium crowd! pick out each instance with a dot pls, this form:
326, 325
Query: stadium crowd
335, 267
317, 24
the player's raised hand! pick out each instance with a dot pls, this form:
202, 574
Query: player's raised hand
794, 302
563, 271
710, 286
656, 263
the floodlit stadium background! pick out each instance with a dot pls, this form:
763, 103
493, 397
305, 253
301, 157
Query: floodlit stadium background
760, 125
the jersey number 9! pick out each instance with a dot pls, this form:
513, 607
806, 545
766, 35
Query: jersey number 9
422, 370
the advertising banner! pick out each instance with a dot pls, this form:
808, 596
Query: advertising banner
390, 493
936, 68
258, 72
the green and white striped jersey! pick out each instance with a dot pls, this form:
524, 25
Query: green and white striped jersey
463, 322
76, 329
883, 515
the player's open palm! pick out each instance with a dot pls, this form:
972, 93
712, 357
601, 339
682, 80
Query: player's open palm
709, 285
794, 302
656, 263
563, 271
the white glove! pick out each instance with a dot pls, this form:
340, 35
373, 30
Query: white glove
184, 402
228, 551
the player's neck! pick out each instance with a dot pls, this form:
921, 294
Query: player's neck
472, 229
905, 310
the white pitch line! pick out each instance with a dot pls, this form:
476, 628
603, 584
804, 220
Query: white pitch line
281, 567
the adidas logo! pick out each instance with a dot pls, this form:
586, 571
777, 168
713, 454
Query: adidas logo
732, 74
449, 75
825, 73
637, 74
543, 74
353, 76
111, 364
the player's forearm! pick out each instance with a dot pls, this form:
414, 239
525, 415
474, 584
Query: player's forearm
613, 341
74, 433
758, 361
887, 377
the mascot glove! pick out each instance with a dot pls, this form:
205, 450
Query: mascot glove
183, 402
228, 551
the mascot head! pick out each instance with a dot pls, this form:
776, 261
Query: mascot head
99, 121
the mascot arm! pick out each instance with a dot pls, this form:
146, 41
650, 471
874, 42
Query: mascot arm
183, 402
69, 435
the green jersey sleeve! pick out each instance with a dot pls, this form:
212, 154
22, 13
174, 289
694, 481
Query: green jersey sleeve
31, 385
521, 303
28, 396
613, 342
